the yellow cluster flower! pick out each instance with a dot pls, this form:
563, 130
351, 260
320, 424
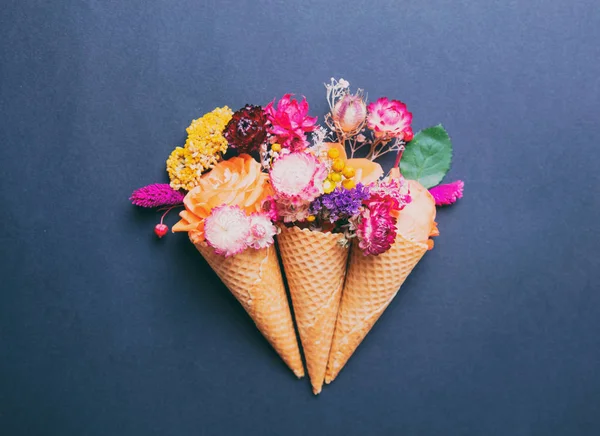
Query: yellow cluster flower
328, 186
203, 148
338, 165
338, 169
333, 153
335, 177
348, 184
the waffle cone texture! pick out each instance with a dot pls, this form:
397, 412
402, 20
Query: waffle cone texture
254, 278
315, 268
371, 284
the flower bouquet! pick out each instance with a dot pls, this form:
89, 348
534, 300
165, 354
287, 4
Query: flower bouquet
314, 195
348, 236
390, 231
328, 203
223, 218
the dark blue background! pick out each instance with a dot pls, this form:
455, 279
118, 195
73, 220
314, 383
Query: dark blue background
106, 330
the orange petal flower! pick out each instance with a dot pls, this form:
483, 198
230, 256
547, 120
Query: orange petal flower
417, 220
367, 171
238, 181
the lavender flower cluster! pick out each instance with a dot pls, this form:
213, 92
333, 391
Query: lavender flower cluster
341, 203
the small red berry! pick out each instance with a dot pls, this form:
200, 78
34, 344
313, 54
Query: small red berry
161, 230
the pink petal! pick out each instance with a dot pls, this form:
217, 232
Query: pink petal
448, 193
303, 106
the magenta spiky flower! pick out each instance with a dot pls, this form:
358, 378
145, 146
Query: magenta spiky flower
448, 193
290, 122
156, 195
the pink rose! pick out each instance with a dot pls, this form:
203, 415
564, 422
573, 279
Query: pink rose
390, 119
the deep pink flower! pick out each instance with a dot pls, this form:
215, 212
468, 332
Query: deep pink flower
390, 119
387, 201
376, 229
156, 195
269, 207
395, 189
448, 193
290, 122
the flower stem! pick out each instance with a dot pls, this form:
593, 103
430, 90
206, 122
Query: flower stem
399, 155
342, 138
372, 153
167, 211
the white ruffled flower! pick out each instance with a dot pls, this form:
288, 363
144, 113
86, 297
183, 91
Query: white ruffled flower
227, 229
262, 231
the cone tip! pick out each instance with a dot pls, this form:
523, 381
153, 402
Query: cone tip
316, 387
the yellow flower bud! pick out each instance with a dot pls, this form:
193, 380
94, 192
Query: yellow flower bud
348, 184
310, 218
328, 186
276, 147
335, 177
349, 172
338, 165
333, 153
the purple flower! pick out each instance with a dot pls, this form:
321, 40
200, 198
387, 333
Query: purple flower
316, 206
156, 195
341, 203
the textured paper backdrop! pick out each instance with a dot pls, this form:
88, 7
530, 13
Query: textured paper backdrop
105, 330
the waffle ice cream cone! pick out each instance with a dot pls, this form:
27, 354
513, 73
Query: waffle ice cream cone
372, 282
254, 278
315, 267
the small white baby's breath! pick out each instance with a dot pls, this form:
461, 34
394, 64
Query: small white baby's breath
343, 242
336, 90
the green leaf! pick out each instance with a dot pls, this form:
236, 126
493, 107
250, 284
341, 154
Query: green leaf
427, 157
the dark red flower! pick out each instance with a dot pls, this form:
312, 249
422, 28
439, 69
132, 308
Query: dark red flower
246, 130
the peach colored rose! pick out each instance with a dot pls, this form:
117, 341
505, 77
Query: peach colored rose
417, 220
238, 181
